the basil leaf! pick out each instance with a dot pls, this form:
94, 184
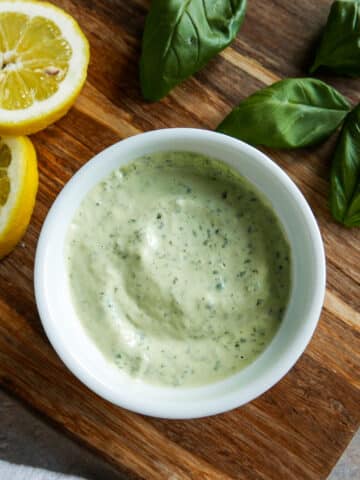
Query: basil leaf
345, 174
291, 113
181, 36
339, 49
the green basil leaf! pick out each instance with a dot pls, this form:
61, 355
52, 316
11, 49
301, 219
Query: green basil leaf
339, 48
181, 36
345, 174
292, 113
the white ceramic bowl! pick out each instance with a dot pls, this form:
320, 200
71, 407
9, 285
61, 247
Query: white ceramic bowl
78, 351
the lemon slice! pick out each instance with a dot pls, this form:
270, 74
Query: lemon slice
18, 187
43, 65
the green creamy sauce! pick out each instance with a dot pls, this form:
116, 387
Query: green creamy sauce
179, 269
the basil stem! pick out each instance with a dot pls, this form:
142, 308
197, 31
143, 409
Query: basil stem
345, 174
181, 36
291, 113
339, 49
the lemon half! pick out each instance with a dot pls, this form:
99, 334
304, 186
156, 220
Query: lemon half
18, 187
43, 65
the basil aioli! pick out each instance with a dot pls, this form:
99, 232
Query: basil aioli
178, 268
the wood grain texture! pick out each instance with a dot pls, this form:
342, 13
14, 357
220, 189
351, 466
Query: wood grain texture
299, 428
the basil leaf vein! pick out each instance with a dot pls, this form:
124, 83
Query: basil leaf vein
291, 113
180, 37
339, 48
345, 173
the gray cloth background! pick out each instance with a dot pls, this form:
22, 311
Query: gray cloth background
26, 439
9, 471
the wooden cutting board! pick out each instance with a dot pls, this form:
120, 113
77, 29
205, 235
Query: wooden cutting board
300, 427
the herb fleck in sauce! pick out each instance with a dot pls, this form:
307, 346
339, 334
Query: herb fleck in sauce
179, 269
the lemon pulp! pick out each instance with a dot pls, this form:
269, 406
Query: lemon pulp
34, 59
5, 159
44, 57
18, 187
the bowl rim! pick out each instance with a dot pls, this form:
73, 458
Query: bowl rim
210, 406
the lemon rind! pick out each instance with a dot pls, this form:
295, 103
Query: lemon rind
42, 113
16, 214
